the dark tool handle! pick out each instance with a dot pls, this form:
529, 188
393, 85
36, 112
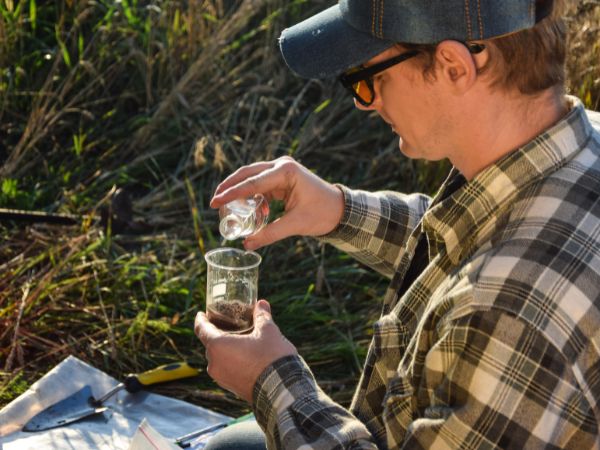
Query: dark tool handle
37, 217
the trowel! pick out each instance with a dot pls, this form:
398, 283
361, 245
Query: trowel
82, 403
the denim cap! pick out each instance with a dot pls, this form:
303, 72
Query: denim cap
353, 31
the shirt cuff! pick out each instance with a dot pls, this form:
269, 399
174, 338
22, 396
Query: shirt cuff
345, 229
279, 385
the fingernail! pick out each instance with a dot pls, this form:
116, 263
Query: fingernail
264, 305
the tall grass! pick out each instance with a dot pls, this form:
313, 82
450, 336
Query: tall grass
163, 99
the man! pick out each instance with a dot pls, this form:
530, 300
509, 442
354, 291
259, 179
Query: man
490, 330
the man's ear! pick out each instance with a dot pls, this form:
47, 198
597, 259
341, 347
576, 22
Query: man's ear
455, 66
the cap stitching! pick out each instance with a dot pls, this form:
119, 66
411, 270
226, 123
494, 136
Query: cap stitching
468, 17
532, 10
479, 18
373, 16
381, 20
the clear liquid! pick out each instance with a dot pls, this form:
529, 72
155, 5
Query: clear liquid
232, 288
240, 220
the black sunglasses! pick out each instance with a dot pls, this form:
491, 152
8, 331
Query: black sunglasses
359, 81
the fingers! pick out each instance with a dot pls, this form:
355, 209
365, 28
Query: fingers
241, 174
266, 181
273, 232
264, 326
262, 313
266, 178
204, 329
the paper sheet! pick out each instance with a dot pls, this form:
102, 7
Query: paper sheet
147, 438
114, 429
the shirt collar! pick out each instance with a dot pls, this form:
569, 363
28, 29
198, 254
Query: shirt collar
460, 220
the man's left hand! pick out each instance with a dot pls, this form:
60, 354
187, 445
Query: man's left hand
235, 361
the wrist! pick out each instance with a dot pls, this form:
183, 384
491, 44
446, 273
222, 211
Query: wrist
337, 206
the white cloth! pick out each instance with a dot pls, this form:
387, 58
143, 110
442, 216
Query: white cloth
112, 429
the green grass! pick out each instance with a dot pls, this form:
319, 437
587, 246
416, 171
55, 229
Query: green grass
164, 99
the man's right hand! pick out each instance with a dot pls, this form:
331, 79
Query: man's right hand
313, 207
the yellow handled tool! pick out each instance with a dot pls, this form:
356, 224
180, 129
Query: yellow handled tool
168, 372
136, 382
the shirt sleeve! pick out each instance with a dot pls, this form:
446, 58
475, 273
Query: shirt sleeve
492, 381
375, 226
489, 382
295, 413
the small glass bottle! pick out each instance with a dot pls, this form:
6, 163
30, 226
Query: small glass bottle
243, 217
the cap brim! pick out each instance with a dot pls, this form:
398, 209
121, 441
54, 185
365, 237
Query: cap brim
325, 45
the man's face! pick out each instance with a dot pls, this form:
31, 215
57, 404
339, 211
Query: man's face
414, 107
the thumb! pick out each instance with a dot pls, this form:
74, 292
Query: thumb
273, 232
204, 329
262, 313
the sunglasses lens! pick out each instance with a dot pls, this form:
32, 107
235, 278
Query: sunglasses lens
363, 91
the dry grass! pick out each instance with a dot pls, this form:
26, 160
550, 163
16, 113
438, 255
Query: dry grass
583, 63
164, 101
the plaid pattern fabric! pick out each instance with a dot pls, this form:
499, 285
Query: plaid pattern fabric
497, 343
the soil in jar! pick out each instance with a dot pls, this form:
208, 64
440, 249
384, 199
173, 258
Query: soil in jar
233, 316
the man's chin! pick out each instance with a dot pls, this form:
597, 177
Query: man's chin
405, 148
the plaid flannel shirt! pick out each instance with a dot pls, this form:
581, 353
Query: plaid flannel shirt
497, 342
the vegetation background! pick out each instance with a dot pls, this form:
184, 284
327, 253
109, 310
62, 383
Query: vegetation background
157, 101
